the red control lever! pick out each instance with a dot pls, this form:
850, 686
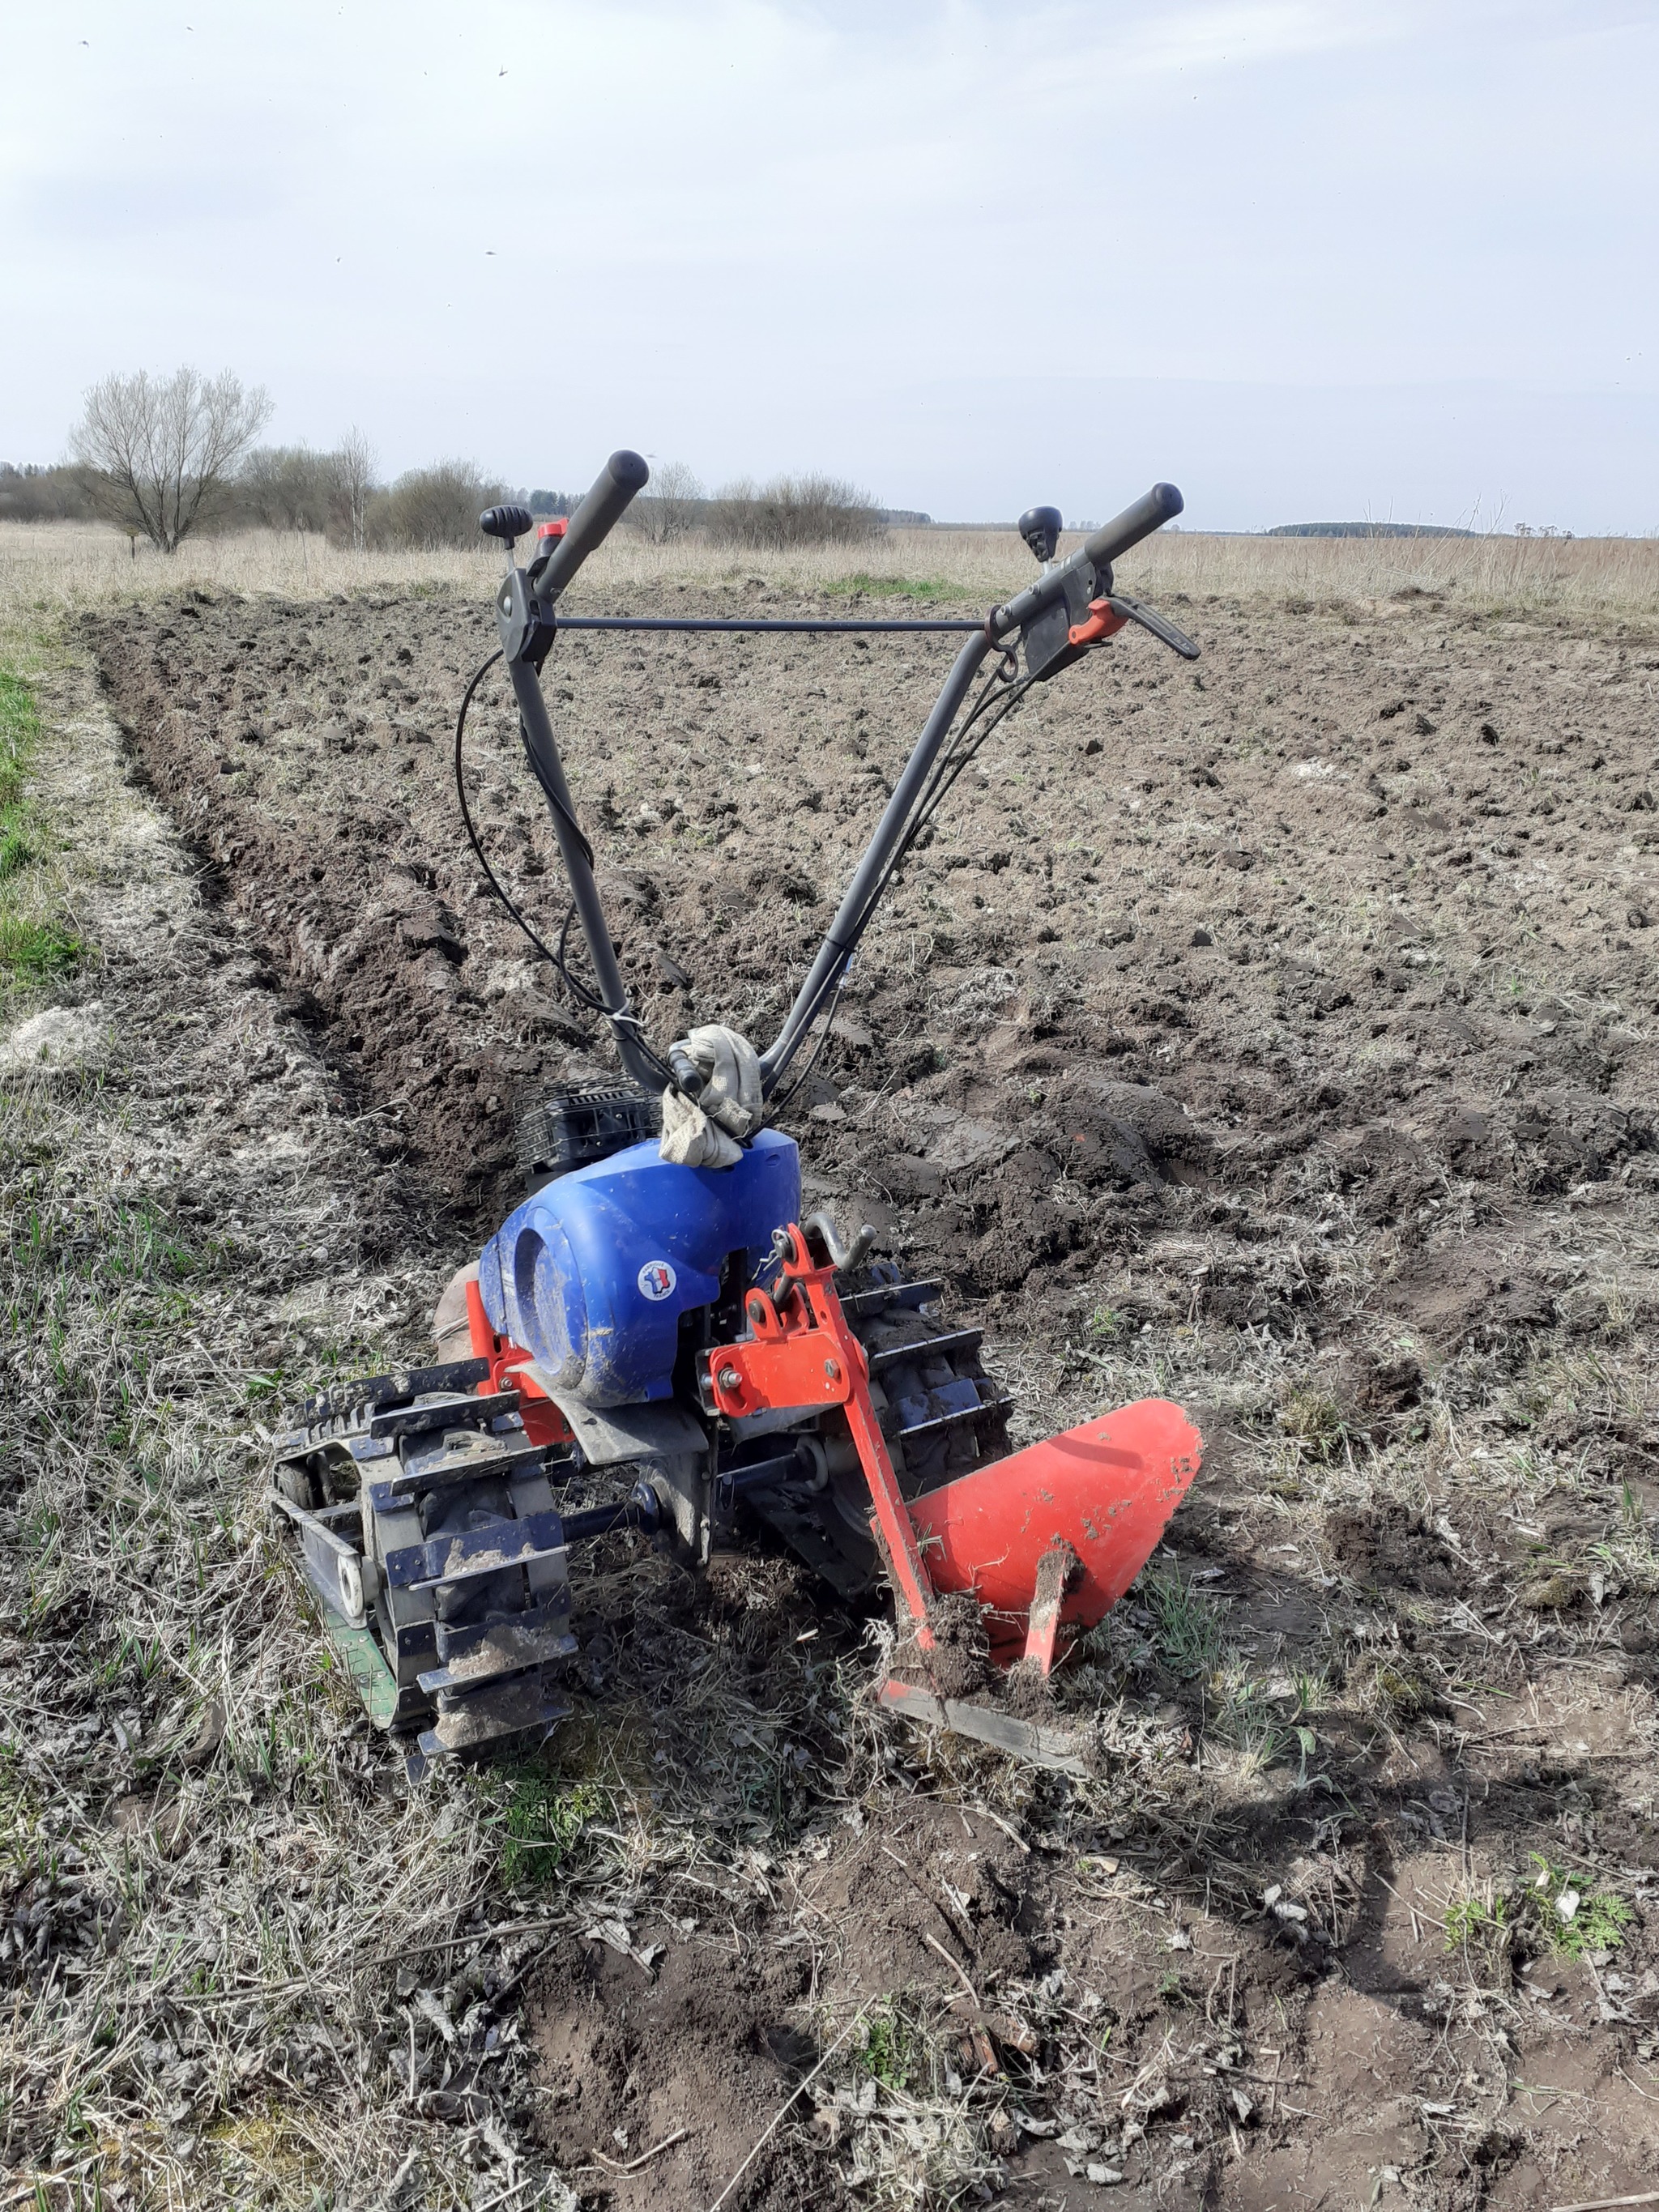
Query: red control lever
1103, 623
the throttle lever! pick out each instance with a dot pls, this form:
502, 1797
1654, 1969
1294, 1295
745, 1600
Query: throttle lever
1104, 620
1108, 616
1160, 625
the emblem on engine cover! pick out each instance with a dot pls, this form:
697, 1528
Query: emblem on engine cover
656, 1280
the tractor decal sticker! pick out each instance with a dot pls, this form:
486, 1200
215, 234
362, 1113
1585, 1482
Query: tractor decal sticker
656, 1281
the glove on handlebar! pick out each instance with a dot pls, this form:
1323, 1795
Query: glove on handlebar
704, 1132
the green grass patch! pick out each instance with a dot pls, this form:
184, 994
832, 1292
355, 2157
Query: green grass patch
19, 730
67, 1259
138, 1244
543, 1820
17, 848
1572, 1915
1312, 1420
1477, 1924
1186, 1627
31, 950
886, 2050
865, 586
36, 951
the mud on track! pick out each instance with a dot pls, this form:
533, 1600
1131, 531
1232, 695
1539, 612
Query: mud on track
1277, 1034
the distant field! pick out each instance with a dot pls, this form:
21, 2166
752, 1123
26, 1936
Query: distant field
43, 565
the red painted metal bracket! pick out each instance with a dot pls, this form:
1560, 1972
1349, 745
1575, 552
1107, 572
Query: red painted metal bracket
1046, 1539
803, 1353
543, 1423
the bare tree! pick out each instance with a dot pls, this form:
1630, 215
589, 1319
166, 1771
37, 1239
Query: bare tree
354, 465
670, 505
428, 508
792, 511
158, 448
284, 487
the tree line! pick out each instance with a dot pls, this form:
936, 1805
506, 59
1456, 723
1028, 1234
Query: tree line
163, 457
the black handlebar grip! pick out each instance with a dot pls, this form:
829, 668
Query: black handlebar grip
1160, 505
509, 522
686, 1073
614, 488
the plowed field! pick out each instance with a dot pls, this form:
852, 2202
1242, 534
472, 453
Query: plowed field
1276, 1035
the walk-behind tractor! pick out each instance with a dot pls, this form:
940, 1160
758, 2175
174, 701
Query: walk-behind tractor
658, 1325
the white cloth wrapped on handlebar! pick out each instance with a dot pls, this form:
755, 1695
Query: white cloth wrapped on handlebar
704, 1132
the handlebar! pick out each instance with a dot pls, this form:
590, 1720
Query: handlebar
527, 625
614, 488
1158, 506
1113, 539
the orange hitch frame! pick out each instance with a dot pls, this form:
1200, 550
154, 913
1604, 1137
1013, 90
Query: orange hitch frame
803, 1353
1046, 1539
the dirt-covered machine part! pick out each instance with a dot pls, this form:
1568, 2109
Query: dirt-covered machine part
431, 1538
656, 1332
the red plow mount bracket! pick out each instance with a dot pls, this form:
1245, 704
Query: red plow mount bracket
1047, 1539
803, 1353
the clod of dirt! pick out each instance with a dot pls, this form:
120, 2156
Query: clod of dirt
959, 1663
1467, 1299
1554, 1592
1402, 1691
1377, 1391
1386, 1544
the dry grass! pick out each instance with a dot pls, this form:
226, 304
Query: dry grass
1581, 575
203, 1888
46, 566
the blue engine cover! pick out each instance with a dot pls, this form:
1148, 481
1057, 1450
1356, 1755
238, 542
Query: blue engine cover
592, 1274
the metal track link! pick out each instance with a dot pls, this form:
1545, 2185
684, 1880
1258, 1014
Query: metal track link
430, 1532
860, 1305
955, 1340
470, 1725
986, 1409
346, 1399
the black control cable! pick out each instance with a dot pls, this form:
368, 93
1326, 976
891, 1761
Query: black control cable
490, 876
559, 959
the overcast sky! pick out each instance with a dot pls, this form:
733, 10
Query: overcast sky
1310, 261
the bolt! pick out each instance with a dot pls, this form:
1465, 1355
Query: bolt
757, 1310
832, 1370
729, 1379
